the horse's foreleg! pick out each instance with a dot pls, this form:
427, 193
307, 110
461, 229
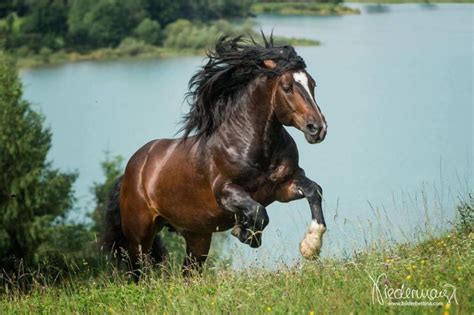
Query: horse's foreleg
197, 249
253, 215
302, 187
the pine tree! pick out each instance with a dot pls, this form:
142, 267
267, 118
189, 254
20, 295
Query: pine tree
34, 196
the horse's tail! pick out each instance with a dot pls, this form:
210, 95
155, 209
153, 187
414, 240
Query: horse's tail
112, 238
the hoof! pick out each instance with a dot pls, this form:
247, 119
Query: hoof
247, 236
310, 246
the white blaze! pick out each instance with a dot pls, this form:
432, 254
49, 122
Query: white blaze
302, 79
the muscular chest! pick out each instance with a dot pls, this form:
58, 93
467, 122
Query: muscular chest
257, 169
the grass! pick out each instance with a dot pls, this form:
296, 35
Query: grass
333, 285
302, 8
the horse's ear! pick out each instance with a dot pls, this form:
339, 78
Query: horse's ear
270, 64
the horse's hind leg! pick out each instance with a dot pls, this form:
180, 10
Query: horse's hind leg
197, 249
139, 228
159, 253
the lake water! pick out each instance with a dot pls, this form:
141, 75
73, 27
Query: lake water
395, 84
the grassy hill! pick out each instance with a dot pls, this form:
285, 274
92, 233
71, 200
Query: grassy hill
333, 285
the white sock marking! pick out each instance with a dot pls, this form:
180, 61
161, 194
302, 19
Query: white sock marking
310, 246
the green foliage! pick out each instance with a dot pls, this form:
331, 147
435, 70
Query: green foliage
47, 17
68, 243
89, 24
112, 169
167, 11
105, 23
109, 21
9, 6
149, 31
43, 193
219, 9
183, 34
45, 26
78, 30
133, 47
55, 31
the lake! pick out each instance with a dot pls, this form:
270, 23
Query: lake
395, 84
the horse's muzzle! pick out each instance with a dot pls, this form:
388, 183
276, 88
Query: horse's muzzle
316, 136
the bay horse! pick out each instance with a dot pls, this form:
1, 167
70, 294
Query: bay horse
234, 159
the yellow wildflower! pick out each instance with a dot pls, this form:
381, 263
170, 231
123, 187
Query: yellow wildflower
311, 312
447, 307
269, 309
408, 277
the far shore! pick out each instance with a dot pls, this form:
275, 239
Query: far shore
136, 52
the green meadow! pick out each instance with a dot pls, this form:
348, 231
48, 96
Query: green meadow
358, 284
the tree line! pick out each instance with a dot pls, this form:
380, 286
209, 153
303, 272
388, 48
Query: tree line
82, 25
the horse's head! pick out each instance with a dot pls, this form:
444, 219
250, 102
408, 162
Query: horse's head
233, 64
295, 105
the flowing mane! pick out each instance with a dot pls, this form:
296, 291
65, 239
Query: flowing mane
233, 64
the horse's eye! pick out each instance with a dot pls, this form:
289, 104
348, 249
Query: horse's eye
287, 88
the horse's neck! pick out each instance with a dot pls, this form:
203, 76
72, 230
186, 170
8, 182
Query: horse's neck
254, 126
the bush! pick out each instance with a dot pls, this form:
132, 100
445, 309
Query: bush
183, 34
132, 47
43, 194
466, 215
148, 31
103, 23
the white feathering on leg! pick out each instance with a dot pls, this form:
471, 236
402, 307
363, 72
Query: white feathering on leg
310, 246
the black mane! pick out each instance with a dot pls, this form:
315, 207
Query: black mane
232, 64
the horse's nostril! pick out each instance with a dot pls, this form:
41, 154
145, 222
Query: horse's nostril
312, 129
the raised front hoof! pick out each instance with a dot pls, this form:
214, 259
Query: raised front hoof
247, 236
309, 250
310, 246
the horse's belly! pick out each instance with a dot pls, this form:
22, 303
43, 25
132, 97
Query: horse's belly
193, 212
